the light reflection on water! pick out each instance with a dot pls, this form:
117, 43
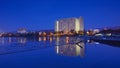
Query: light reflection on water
63, 45
66, 46
10, 45
64, 52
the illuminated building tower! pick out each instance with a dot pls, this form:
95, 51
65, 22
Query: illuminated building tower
57, 26
81, 21
68, 24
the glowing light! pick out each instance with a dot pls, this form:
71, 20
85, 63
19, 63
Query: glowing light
44, 38
99, 34
87, 32
88, 40
67, 39
40, 39
44, 33
77, 25
57, 26
40, 33
50, 39
57, 47
77, 50
97, 43
109, 34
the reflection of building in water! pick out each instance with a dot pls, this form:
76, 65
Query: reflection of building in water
5, 40
2, 40
44, 38
10, 39
51, 39
40, 39
22, 40
69, 49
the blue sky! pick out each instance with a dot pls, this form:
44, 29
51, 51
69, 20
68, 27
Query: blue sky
42, 14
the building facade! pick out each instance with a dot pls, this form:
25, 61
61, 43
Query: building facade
68, 24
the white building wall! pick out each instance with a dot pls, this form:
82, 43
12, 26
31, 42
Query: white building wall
81, 24
77, 25
69, 24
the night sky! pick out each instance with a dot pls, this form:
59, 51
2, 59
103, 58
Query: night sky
42, 14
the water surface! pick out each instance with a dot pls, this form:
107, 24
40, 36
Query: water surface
57, 52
